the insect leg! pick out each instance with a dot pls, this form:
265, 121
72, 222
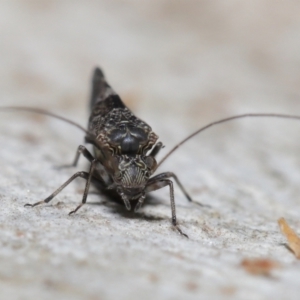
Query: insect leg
100, 168
85, 152
156, 149
171, 174
87, 186
80, 150
166, 175
84, 175
158, 184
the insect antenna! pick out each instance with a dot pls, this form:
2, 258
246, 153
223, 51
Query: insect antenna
44, 112
281, 116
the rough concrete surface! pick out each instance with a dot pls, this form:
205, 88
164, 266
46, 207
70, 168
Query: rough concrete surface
178, 65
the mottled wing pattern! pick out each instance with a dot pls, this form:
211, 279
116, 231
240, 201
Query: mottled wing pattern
114, 125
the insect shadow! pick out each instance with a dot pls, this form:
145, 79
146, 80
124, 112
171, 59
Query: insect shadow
123, 162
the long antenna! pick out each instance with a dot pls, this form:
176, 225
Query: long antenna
282, 116
43, 112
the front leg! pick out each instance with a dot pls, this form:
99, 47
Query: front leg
100, 169
87, 186
96, 177
158, 184
80, 150
84, 175
167, 175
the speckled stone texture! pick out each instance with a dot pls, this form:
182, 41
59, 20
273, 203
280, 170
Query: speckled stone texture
177, 65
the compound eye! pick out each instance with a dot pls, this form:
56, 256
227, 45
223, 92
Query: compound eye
150, 162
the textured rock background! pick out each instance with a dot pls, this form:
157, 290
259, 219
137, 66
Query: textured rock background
178, 66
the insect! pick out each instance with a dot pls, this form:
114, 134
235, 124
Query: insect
125, 149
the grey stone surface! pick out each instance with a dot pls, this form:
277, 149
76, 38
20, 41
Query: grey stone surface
178, 66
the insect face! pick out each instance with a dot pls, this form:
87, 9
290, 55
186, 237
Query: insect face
133, 173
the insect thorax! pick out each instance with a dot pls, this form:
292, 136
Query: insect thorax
121, 132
